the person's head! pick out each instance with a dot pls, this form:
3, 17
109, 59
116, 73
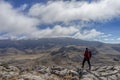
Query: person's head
86, 48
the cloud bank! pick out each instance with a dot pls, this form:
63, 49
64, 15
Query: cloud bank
60, 11
15, 24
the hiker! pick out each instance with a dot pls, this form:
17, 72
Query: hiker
87, 56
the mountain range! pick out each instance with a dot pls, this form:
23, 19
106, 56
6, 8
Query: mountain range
57, 51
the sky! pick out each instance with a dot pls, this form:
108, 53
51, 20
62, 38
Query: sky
94, 20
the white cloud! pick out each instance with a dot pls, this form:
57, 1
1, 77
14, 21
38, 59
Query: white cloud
72, 31
112, 39
107, 35
16, 25
65, 11
23, 7
57, 31
118, 38
106, 39
88, 34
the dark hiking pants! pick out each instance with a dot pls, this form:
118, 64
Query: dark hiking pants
88, 60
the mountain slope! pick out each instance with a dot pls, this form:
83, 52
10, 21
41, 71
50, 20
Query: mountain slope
57, 51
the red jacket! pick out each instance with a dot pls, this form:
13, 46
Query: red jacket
87, 54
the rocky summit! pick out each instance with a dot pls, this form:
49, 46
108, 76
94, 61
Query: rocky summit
8, 72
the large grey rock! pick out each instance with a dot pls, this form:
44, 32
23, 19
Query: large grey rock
31, 77
58, 68
74, 73
59, 73
42, 71
75, 78
113, 77
110, 68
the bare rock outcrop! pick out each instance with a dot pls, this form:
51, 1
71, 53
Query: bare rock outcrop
59, 73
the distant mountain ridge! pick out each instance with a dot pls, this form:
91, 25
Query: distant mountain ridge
31, 43
44, 44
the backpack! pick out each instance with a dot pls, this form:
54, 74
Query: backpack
87, 54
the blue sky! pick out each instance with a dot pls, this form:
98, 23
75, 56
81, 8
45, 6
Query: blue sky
96, 20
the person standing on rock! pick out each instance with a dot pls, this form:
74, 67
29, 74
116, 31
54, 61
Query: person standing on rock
87, 56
